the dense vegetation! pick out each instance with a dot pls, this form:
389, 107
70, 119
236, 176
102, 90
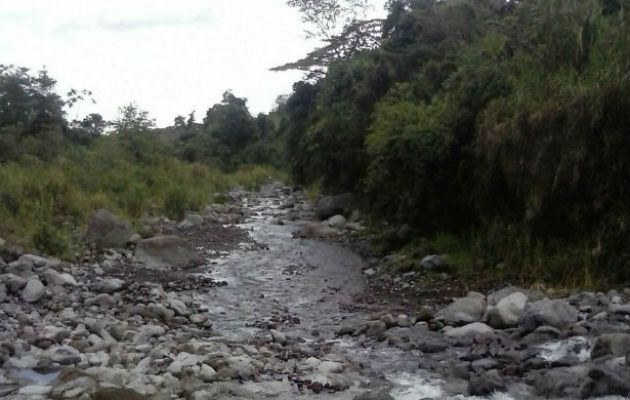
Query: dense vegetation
496, 131
54, 173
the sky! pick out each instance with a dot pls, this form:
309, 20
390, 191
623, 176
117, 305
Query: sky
168, 57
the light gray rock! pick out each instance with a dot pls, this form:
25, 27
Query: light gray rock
555, 313
207, 373
104, 300
434, 262
619, 308
191, 220
34, 390
184, 361
278, 336
64, 355
337, 221
3, 292
464, 310
164, 252
109, 285
105, 230
508, 311
470, 330
33, 291
53, 277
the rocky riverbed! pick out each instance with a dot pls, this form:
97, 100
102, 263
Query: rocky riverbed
267, 303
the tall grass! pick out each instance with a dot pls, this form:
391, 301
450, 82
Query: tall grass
44, 205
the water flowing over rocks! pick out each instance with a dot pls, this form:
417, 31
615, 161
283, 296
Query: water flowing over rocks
276, 305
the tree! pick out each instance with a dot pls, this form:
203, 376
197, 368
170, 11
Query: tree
132, 119
230, 124
93, 124
179, 122
341, 26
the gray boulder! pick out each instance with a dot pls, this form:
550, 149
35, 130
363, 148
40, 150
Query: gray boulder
464, 310
328, 206
508, 311
163, 252
105, 230
33, 291
13, 282
556, 313
337, 221
615, 344
606, 380
559, 382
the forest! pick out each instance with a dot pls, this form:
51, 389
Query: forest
494, 131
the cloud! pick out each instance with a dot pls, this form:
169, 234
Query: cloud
131, 24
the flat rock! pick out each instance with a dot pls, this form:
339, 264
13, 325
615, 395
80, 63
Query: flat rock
164, 252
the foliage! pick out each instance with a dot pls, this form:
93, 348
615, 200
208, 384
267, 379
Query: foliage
502, 124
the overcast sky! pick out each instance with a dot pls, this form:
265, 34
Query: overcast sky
170, 57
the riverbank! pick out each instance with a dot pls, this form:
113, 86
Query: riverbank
268, 312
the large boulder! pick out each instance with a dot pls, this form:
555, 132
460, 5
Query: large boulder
464, 310
329, 206
556, 313
163, 252
105, 230
615, 344
508, 311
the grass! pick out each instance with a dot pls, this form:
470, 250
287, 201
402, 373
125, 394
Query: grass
44, 205
507, 255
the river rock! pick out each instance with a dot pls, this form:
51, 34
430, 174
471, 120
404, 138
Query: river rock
278, 336
53, 277
470, 330
464, 309
337, 221
615, 344
64, 355
555, 313
207, 373
559, 382
105, 230
486, 383
163, 252
3, 292
184, 361
374, 395
605, 380
507, 312
329, 206
13, 282
33, 291
109, 285
434, 262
